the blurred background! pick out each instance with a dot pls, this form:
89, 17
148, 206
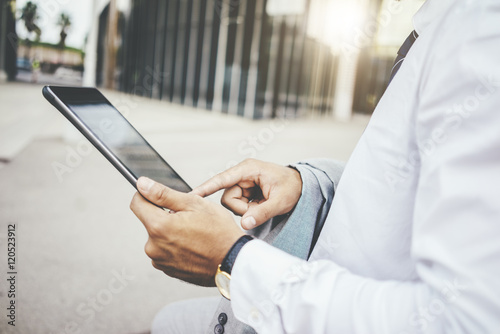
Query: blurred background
253, 58
208, 83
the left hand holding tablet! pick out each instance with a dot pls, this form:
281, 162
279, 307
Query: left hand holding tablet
190, 243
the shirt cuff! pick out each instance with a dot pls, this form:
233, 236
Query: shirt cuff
257, 275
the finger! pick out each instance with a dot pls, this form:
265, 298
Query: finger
164, 196
233, 200
234, 175
259, 213
220, 181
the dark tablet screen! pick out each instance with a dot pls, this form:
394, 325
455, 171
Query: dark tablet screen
120, 137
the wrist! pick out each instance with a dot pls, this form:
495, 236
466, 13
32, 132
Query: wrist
296, 185
228, 261
223, 275
297, 177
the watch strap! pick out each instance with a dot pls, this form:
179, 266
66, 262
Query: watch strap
228, 262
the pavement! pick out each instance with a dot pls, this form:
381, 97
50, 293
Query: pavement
80, 265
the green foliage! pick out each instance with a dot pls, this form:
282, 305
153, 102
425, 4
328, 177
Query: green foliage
64, 22
29, 14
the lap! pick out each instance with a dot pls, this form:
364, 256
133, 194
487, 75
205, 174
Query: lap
187, 316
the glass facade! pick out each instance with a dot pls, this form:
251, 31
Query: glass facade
225, 55
232, 57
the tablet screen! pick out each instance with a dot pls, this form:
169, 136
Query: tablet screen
116, 133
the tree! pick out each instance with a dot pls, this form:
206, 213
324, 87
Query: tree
64, 22
30, 17
8, 44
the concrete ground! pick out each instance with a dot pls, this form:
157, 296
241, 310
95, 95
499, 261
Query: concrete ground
80, 262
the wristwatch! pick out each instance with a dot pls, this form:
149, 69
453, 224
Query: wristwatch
223, 275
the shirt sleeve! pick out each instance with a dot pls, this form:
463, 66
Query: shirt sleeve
456, 224
275, 292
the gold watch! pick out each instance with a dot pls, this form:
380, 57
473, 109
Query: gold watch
223, 275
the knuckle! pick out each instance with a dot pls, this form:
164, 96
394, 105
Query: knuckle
168, 271
226, 205
249, 161
156, 265
224, 200
155, 230
150, 249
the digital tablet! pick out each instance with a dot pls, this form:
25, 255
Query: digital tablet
106, 128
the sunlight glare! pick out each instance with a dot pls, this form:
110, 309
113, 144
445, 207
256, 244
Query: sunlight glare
334, 21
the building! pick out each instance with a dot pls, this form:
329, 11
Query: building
253, 58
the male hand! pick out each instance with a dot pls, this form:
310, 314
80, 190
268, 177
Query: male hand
189, 242
255, 190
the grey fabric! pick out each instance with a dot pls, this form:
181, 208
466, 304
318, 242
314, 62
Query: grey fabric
185, 316
298, 232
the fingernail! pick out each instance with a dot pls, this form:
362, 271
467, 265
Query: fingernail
249, 223
144, 184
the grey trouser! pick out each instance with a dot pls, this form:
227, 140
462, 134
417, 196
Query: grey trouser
191, 316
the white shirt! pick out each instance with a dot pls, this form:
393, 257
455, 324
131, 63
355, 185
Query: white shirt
412, 240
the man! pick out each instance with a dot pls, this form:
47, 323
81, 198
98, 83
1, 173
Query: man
411, 241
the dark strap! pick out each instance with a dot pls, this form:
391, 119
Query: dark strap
228, 262
402, 52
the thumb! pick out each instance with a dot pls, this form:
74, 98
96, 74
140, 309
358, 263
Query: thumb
258, 214
163, 196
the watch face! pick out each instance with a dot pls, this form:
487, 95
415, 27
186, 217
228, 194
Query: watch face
222, 280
